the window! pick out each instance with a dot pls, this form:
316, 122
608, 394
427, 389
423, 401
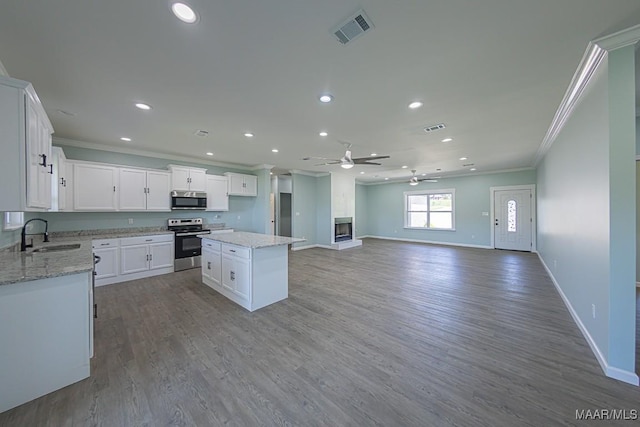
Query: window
432, 209
511, 216
13, 220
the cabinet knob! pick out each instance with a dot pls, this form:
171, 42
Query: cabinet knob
233, 275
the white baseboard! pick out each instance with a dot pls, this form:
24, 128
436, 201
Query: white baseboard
431, 242
300, 248
610, 371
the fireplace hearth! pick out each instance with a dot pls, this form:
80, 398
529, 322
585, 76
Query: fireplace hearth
343, 229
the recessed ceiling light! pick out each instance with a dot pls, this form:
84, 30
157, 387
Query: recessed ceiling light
386, 179
405, 166
463, 158
472, 169
424, 174
326, 98
275, 150
373, 154
323, 134
415, 104
209, 153
124, 138
447, 140
362, 173
248, 135
184, 13
270, 173
143, 106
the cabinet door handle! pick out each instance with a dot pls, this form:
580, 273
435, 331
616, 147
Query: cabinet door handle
114, 188
51, 168
104, 244
148, 240
44, 160
208, 265
232, 250
150, 257
233, 275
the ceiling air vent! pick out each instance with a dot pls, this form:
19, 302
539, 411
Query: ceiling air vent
353, 27
201, 133
434, 128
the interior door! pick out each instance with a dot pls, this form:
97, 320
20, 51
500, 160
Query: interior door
513, 220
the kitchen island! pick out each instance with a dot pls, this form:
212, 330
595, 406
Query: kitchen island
250, 269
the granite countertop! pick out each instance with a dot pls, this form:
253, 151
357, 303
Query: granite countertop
16, 267
252, 240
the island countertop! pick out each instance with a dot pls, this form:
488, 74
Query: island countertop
252, 240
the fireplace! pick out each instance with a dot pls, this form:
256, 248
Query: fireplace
343, 229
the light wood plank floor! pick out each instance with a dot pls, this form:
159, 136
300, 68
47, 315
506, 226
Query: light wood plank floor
389, 334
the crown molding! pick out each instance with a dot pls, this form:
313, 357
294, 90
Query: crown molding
619, 39
307, 173
593, 56
443, 177
261, 167
591, 60
143, 153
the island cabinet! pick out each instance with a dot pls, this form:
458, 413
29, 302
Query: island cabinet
46, 335
212, 263
250, 269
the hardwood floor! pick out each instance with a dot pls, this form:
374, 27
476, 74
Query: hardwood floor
389, 334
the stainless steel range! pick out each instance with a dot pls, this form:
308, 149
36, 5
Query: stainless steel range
188, 246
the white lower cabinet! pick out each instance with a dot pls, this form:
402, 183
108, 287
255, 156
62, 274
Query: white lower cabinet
106, 269
131, 258
212, 264
236, 270
146, 253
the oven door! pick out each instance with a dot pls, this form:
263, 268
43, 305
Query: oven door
187, 245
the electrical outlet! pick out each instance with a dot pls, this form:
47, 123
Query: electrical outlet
593, 310
130, 221
485, 213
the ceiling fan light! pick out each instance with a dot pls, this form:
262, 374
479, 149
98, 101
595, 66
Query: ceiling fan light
346, 165
412, 182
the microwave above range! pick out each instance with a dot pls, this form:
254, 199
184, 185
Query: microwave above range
188, 200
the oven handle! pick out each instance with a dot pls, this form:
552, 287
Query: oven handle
194, 233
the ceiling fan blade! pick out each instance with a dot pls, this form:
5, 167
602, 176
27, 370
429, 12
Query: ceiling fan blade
428, 180
337, 162
366, 163
371, 158
320, 158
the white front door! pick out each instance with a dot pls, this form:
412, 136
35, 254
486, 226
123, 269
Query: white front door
513, 220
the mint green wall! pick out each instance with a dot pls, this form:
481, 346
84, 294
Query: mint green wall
362, 211
304, 217
323, 210
241, 216
586, 210
637, 220
638, 135
622, 207
385, 202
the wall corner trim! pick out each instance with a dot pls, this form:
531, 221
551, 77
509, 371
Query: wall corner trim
610, 371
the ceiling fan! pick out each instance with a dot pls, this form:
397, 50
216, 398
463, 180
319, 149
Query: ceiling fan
415, 180
347, 162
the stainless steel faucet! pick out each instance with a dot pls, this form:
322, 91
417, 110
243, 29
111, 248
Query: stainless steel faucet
24, 234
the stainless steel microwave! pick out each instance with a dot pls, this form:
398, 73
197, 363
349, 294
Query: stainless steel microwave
188, 200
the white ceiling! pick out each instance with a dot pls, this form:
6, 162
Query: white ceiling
493, 71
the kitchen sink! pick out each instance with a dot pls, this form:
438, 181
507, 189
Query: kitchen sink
56, 248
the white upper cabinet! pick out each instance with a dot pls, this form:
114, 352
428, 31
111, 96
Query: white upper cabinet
95, 187
242, 185
25, 137
143, 190
59, 180
188, 179
217, 198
